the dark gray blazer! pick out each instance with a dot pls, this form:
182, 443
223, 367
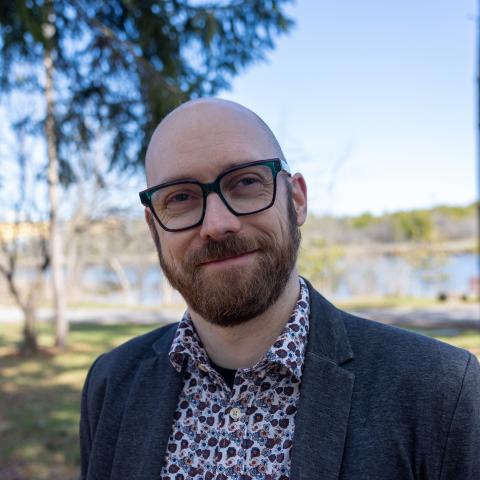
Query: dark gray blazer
376, 403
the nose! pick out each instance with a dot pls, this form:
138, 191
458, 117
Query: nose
218, 221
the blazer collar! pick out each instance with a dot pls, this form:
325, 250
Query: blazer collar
328, 338
325, 396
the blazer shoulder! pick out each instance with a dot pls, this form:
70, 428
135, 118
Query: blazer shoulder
405, 350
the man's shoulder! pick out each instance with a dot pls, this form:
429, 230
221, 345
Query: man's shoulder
369, 338
381, 347
406, 362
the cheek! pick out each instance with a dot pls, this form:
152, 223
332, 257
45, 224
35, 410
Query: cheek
279, 217
174, 246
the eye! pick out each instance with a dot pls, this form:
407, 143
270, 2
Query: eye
246, 181
181, 198
177, 198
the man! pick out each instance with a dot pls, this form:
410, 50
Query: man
263, 378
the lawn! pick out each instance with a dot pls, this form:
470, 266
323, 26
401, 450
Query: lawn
40, 400
40, 396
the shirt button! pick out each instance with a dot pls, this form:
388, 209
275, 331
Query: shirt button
235, 413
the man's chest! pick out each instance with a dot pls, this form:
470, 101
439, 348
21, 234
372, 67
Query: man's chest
243, 433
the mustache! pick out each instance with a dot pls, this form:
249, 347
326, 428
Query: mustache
214, 250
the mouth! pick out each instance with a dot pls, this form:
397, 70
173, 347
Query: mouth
230, 260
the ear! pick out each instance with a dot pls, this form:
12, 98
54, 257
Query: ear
299, 197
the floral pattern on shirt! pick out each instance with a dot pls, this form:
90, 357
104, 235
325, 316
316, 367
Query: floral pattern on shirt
241, 433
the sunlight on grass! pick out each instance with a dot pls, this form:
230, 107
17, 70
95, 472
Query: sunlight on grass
64, 416
469, 341
29, 451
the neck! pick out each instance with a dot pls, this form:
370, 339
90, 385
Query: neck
244, 345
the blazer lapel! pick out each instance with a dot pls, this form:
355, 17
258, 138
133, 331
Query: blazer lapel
325, 396
147, 420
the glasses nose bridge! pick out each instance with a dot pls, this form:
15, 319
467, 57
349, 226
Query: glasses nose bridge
212, 187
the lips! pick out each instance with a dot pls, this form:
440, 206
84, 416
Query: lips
229, 257
231, 250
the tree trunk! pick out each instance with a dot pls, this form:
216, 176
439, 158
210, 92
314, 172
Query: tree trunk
29, 341
56, 248
122, 277
29, 344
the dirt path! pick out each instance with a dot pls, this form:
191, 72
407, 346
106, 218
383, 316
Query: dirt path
453, 315
459, 315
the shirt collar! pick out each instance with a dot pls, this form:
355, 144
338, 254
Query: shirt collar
287, 351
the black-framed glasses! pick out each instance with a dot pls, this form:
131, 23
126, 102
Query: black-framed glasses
245, 189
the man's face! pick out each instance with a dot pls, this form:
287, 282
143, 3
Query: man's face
229, 269
234, 294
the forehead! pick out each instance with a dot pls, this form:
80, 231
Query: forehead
202, 141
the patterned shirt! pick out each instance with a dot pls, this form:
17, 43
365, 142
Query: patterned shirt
241, 433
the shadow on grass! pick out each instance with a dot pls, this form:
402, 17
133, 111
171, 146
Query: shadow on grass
39, 433
40, 399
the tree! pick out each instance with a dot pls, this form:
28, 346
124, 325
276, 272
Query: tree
414, 226
119, 67
23, 237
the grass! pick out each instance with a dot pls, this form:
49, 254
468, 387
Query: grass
40, 396
40, 400
468, 339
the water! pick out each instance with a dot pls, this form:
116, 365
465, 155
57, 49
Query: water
393, 275
377, 276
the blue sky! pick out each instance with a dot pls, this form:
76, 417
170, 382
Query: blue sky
373, 101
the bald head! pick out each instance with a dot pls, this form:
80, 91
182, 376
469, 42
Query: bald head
204, 135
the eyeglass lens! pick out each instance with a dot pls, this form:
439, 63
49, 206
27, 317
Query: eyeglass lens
245, 190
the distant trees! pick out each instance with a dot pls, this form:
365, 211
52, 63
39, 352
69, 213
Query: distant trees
422, 225
118, 67
414, 226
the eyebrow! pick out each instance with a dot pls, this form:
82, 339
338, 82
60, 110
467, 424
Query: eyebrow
175, 179
191, 179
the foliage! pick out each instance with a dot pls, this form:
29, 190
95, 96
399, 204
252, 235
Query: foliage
363, 220
456, 212
414, 226
121, 66
445, 222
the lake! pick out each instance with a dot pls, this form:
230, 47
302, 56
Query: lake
356, 276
